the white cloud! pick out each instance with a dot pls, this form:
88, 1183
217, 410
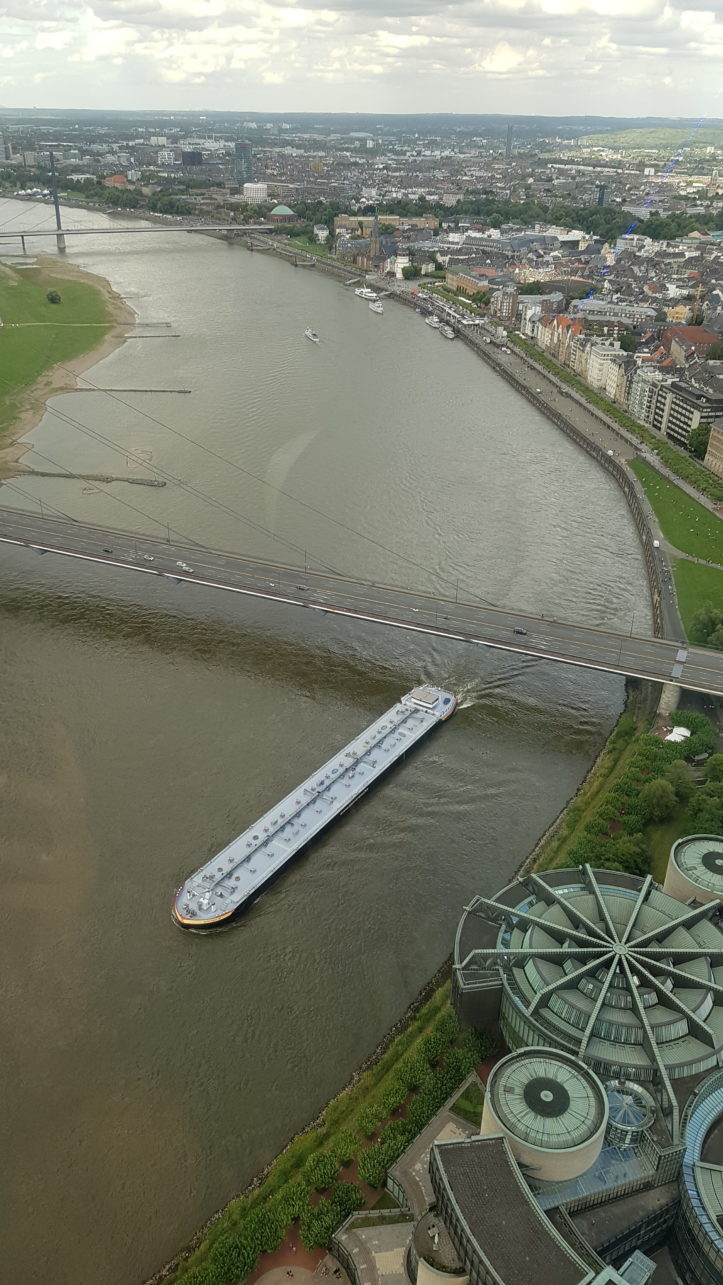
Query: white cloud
651, 57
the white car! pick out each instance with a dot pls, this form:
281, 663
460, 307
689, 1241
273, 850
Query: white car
148, 557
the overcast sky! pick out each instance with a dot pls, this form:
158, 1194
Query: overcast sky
616, 57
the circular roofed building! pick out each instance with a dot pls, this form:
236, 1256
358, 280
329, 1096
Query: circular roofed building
695, 868
282, 214
552, 1110
599, 964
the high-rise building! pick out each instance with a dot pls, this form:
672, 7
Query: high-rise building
242, 163
508, 147
255, 193
601, 191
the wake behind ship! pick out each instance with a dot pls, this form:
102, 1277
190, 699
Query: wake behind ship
222, 888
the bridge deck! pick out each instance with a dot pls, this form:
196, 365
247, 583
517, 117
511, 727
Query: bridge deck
637, 656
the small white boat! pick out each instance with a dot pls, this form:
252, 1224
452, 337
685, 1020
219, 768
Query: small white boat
365, 293
447, 331
312, 335
376, 306
432, 321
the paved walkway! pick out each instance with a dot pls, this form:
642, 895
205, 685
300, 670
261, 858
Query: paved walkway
412, 1168
379, 1252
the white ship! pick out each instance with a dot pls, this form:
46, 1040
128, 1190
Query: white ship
376, 306
447, 331
365, 293
432, 321
312, 335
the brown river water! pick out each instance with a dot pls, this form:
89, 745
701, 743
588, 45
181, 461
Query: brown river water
149, 1074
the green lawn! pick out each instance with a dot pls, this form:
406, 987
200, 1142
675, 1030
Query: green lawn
75, 326
468, 1106
310, 247
696, 585
687, 524
661, 838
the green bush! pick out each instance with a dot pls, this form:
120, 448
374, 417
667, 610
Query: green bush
317, 1225
344, 1198
714, 768
372, 1166
704, 814
345, 1145
412, 1071
369, 1119
679, 775
321, 1169
432, 1046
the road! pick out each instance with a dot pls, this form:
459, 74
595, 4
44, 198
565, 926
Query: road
658, 659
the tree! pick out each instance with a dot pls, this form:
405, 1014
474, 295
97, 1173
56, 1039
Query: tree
658, 799
411, 271
627, 341
715, 352
714, 768
321, 1169
53, 297
707, 626
704, 814
679, 776
346, 1144
698, 441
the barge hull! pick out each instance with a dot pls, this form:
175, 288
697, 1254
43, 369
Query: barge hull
229, 882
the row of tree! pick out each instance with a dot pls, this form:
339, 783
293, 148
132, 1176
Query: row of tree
430, 1073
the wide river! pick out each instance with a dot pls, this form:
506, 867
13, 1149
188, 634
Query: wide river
150, 1073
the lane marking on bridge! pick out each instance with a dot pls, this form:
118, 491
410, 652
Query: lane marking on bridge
390, 621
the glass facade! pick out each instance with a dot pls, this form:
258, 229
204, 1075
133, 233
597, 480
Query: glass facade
697, 1243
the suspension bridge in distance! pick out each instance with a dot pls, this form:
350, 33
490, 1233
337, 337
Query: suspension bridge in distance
631, 655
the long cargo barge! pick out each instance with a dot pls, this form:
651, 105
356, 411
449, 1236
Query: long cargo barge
222, 888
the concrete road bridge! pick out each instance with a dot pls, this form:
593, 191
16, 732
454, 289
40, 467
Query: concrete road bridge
143, 229
658, 659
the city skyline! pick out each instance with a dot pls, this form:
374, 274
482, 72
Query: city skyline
539, 56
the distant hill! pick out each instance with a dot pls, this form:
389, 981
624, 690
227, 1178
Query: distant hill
660, 138
597, 127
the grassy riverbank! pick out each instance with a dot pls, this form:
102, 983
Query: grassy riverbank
694, 530
346, 1154
696, 586
621, 819
684, 522
39, 339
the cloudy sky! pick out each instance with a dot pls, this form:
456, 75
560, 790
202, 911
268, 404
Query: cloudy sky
617, 57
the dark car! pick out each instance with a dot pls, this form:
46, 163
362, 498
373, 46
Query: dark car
519, 630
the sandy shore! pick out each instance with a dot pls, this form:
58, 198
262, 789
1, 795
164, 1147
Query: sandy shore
61, 379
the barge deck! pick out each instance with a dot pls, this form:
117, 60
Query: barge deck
222, 888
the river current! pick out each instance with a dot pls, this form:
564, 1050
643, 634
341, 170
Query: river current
149, 1073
